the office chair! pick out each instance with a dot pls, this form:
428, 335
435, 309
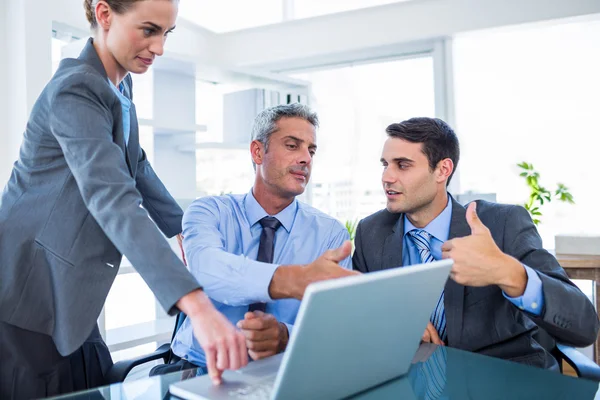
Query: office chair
119, 370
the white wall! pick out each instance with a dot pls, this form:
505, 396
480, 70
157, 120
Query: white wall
175, 147
3, 97
69, 12
192, 42
27, 67
349, 34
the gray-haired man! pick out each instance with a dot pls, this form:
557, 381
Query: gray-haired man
255, 253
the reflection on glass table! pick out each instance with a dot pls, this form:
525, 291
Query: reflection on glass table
436, 373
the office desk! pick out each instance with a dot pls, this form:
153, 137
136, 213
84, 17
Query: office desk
436, 373
584, 267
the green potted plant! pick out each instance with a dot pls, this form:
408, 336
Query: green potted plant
351, 227
538, 195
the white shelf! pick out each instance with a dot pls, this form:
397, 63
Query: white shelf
164, 130
126, 269
159, 330
221, 145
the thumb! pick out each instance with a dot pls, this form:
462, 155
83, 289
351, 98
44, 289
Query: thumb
477, 227
341, 253
252, 314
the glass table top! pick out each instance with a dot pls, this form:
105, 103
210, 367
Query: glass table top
436, 373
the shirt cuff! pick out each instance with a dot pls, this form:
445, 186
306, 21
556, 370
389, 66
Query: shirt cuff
532, 299
289, 328
260, 280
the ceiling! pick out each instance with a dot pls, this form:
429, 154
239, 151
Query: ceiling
231, 15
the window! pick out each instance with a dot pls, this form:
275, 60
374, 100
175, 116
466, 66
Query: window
531, 94
355, 104
221, 168
143, 94
57, 46
129, 301
209, 110
147, 141
63, 35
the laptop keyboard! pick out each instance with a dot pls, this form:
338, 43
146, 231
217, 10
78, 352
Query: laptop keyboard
256, 391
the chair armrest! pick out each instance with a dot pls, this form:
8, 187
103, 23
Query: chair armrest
118, 372
583, 366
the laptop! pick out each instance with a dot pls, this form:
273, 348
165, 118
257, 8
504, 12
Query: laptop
350, 334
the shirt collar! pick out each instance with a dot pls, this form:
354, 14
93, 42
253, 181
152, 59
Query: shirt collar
255, 212
119, 92
439, 227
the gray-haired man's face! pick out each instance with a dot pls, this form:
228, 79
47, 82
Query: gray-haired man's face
287, 165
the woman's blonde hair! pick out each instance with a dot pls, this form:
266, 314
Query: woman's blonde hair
118, 6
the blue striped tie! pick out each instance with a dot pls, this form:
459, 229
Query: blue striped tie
422, 240
429, 377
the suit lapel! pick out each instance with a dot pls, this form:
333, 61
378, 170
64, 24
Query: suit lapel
392, 247
455, 293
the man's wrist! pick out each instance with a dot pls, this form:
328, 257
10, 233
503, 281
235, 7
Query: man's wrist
513, 281
194, 303
284, 336
285, 282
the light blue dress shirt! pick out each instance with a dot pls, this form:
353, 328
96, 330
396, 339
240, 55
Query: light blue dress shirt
532, 299
125, 107
221, 239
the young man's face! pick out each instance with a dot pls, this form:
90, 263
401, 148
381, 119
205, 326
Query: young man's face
408, 182
286, 165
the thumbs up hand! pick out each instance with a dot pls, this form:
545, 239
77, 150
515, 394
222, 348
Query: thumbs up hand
477, 227
478, 261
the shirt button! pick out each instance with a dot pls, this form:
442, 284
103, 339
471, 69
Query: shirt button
534, 305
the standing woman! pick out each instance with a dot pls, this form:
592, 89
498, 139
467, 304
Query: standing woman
72, 207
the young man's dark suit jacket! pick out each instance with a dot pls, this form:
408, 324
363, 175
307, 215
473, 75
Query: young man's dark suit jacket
481, 319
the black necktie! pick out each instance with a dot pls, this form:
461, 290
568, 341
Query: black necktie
266, 249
